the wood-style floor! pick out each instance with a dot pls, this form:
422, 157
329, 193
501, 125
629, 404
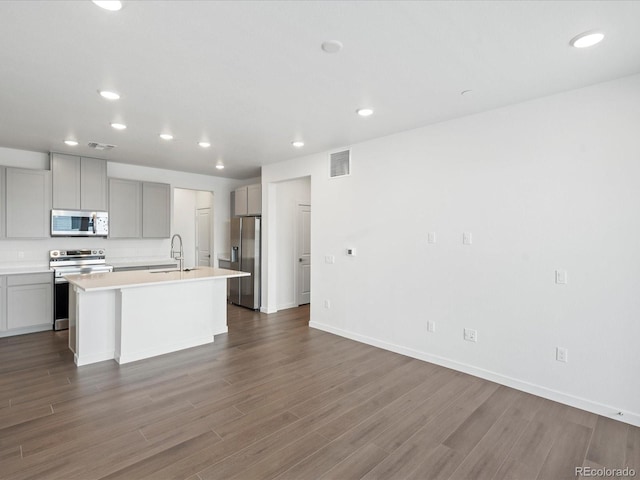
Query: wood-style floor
276, 399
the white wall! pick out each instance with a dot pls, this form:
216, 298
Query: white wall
288, 195
543, 185
32, 252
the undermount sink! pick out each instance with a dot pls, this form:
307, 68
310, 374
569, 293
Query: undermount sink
172, 270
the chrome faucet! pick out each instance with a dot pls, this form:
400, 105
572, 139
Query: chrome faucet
180, 252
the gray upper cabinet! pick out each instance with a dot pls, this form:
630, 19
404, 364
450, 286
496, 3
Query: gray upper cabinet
93, 184
240, 202
79, 182
248, 200
156, 210
65, 171
254, 199
28, 203
125, 208
139, 209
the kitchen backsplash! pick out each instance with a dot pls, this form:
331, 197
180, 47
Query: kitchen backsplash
36, 252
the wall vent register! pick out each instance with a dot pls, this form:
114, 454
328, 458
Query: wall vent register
340, 164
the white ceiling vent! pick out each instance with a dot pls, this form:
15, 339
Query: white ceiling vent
340, 164
101, 146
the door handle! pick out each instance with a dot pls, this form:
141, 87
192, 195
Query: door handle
300, 260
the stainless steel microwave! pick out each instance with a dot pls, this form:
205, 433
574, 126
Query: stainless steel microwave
79, 223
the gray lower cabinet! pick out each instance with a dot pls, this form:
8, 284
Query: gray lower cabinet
28, 203
79, 182
139, 209
3, 201
156, 210
164, 266
3, 303
29, 303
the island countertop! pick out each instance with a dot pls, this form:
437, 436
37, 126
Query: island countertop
139, 278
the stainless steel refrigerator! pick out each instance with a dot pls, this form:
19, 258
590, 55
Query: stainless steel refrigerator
245, 257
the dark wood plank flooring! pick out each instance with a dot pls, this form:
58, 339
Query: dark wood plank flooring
276, 399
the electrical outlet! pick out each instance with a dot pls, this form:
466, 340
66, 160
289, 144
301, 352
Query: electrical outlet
467, 238
327, 304
562, 354
470, 335
431, 326
329, 259
20, 255
431, 237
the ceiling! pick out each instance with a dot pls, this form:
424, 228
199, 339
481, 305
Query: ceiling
251, 77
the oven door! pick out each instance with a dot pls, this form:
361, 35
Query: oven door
60, 304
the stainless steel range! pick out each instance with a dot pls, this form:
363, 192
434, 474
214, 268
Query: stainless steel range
70, 262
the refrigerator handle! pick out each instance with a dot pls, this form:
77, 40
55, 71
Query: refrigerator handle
234, 254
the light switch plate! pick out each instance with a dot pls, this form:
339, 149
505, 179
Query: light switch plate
561, 277
431, 237
329, 259
562, 354
467, 238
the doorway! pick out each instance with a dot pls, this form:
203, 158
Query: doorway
303, 253
290, 278
193, 220
203, 237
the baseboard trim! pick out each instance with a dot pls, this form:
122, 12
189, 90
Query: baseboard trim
24, 330
134, 356
93, 358
286, 306
632, 418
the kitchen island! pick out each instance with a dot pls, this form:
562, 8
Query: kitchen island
129, 316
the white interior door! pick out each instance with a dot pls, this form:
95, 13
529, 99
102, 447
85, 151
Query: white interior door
203, 237
303, 257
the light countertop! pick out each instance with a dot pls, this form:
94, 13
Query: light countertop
18, 269
139, 278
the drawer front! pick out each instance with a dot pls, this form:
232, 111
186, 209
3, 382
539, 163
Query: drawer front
29, 279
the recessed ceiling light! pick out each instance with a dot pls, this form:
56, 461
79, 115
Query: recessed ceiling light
71, 143
220, 166
331, 46
111, 5
166, 136
364, 112
119, 126
109, 95
586, 39
204, 144
298, 144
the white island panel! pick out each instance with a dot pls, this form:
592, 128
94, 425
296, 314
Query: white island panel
93, 339
159, 319
128, 316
